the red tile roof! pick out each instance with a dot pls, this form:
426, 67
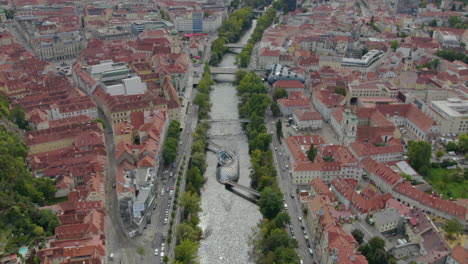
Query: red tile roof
345, 187
431, 201
460, 254
298, 145
380, 170
306, 114
288, 84
321, 188
410, 111
369, 149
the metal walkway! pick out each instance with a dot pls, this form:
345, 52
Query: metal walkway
239, 120
223, 70
230, 184
235, 45
211, 146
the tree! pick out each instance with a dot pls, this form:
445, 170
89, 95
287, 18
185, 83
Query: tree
358, 235
198, 146
463, 143
374, 251
38, 231
451, 146
243, 58
281, 220
394, 45
17, 116
270, 202
195, 178
452, 55
419, 154
170, 150
240, 74
279, 129
328, 158
433, 23
185, 231
186, 251
278, 238
174, 129
340, 90
439, 154
453, 227
279, 93
376, 243
198, 160
261, 141
275, 109
454, 21
140, 251
191, 203
312, 153
9, 13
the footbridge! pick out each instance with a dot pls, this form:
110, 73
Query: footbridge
211, 146
223, 70
231, 184
238, 120
235, 45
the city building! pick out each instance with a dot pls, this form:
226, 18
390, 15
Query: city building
289, 85
447, 39
406, 6
307, 118
386, 220
458, 255
329, 242
295, 100
52, 40
366, 63
451, 115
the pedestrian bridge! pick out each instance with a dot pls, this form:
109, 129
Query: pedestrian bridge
231, 184
235, 45
211, 146
239, 120
223, 70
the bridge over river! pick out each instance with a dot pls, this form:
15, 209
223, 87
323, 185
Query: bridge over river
238, 120
223, 70
229, 183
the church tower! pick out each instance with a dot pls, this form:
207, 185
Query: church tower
175, 47
349, 126
409, 61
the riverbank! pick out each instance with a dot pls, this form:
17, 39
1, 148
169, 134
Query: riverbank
270, 242
188, 233
244, 57
230, 31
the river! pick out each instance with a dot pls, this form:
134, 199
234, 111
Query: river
227, 219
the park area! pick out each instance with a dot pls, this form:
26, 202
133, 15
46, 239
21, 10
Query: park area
449, 182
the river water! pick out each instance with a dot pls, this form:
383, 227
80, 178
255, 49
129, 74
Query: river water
227, 219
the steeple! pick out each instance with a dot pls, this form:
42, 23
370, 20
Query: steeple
409, 61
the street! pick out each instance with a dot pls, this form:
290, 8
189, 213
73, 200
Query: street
288, 188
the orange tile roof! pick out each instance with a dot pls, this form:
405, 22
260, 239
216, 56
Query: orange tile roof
460, 254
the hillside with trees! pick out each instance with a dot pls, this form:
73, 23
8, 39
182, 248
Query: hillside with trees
22, 223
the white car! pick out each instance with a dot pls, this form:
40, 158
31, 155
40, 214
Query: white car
156, 252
